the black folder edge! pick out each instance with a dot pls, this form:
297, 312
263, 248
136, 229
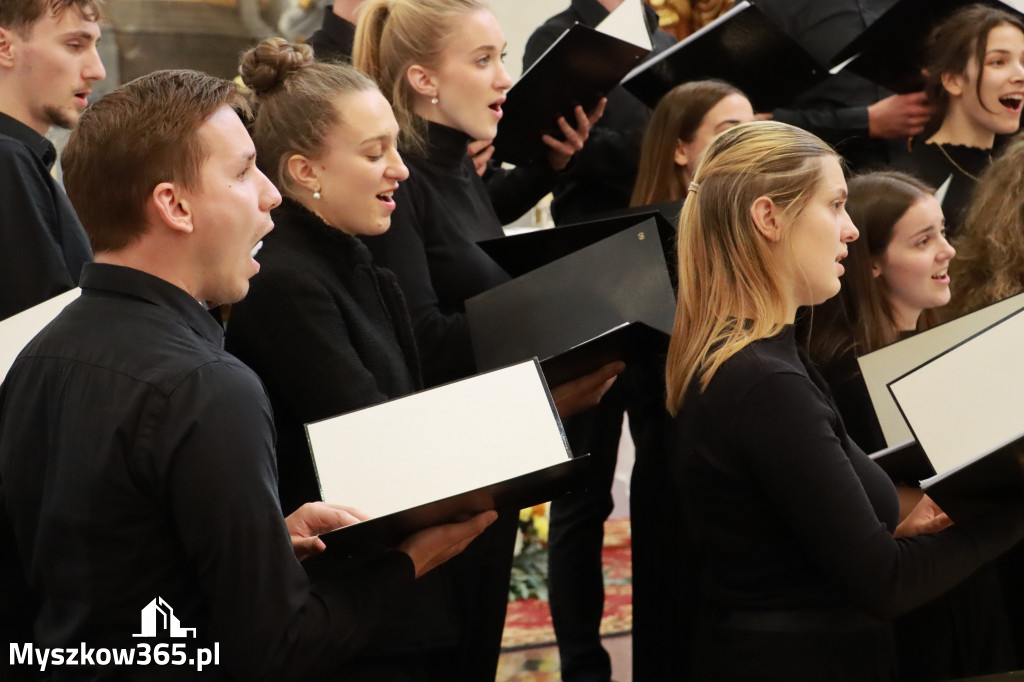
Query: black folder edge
905, 463
618, 343
505, 151
945, 487
850, 57
539, 243
638, 88
382, 533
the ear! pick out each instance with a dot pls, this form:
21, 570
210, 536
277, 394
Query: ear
171, 207
876, 268
765, 215
681, 158
422, 80
953, 83
303, 171
8, 49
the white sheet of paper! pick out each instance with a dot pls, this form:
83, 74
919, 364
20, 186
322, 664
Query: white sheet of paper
889, 363
16, 331
438, 443
970, 400
627, 22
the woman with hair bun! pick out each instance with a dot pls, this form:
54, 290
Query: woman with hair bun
683, 124
803, 562
325, 329
975, 82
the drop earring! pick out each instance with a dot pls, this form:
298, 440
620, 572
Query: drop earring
316, 193
433, 100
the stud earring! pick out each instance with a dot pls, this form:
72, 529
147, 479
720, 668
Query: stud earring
433, 100
316, 193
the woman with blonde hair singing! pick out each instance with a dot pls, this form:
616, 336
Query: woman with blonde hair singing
802, 562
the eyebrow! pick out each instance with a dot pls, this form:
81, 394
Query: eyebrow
85, 35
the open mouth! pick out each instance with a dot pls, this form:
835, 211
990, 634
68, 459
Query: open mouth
83, 97
496, 106
256, 249
387, 198
942, 277
1013, 101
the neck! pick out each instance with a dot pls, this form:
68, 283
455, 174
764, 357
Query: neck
957, 128
610, 5
16, 110
906, 319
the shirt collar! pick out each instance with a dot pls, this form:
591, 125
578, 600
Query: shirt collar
39, 145
124, 281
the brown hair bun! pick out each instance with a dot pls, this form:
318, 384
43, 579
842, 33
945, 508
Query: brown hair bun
267, 66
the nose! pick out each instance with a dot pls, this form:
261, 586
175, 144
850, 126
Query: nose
397, 170
93, 69
504, 81
270, 198
947, 252
849, 231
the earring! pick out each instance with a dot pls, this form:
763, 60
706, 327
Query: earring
433, 100
316, 193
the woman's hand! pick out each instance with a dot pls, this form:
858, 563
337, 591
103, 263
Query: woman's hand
562, 151
581, 394
431, 547
306, 523
480, 151
925, 517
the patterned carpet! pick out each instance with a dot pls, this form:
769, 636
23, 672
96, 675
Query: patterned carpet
528, 623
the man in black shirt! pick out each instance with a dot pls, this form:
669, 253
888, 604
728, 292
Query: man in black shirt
136, 456
48, 63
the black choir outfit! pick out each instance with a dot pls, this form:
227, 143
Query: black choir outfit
42, 243
600, 180
137, 460
799, 569
443, 209
955, 167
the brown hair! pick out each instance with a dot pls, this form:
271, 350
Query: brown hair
677, 117
730, 291
21, 15
144, 133
989, 265
860, 319
297, 107
393, 35
951, 46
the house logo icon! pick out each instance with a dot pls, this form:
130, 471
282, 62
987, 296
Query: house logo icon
158, 617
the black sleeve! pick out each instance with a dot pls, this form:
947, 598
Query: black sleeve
832, 124
221, 482
784, 428
32, 267
299, 343
335, 38
442, 336
515, 191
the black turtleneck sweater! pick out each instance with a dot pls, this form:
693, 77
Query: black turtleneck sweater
443, 210
325, 330
790, 517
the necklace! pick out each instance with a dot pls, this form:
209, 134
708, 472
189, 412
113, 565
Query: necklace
955, 164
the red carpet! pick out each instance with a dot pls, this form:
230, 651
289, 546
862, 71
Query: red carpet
528, 622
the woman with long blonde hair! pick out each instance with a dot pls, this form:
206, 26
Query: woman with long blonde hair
802, 559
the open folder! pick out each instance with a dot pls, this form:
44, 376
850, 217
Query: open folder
580, 68
891, 51
16, 331
887, 364
583, 295
493, 441
743, 47
966, 409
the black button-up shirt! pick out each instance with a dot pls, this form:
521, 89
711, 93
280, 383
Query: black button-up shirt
137, 461
42, 244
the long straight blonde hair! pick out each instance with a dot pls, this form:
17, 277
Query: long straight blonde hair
730, 289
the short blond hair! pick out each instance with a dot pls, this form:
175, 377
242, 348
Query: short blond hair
730, 287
